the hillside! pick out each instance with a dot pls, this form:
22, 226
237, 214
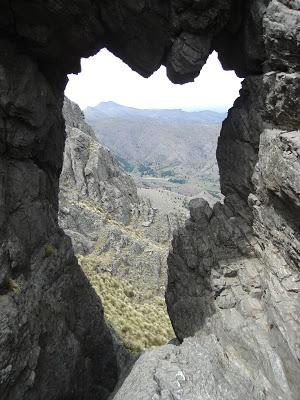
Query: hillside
174, 146
120, 238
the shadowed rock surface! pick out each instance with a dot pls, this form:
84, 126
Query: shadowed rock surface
234, 269
233, 278
109, 224
121, 241
54, 341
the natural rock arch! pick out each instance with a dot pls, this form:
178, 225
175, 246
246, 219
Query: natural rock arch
54, 341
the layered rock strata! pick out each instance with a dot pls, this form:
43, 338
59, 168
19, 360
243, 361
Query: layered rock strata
93, 179
236, 266
54, 342
234, 270
112, 229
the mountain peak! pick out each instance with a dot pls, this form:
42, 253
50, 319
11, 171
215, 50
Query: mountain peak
109, 103
112, 109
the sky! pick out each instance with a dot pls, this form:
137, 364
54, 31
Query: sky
104, 77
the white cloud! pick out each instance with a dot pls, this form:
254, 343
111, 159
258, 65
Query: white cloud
106, 78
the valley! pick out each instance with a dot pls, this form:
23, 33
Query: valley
162, 149
121, 215
121, 235
107, 252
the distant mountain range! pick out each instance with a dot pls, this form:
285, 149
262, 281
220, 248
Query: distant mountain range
175, 145
114, 110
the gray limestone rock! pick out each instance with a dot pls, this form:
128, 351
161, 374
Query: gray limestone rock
169, 373
239, 278
282, 35
188, 55
233, 286
200, 211
102, 213
90, 172
234, 275
54, 343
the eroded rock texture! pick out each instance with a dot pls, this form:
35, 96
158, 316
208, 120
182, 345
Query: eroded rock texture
233, 277
234, 270
92, 178
54, 341
99, 208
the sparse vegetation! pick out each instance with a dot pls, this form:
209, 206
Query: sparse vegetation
49, 250
145, 169
12, 286
167, 173
140, 322
180, 181
166, 201
162, 145
125, 165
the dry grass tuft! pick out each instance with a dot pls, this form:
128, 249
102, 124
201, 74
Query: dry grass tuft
13, 286
140, 322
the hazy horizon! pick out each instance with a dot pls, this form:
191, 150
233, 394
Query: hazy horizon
155, 108
105, 78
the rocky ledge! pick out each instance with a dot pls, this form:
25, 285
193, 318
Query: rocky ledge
233, 275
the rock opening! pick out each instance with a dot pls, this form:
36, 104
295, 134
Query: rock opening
237, 264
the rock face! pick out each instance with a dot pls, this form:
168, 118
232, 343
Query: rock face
234, 270
109, 224
233, 275
121, 241
49, 314
174, 372
90, 177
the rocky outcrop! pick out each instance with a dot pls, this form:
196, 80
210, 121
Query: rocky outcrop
49, 314
91, 182
174, 372
234, 270
237, 270
121, 241
178, 33
118, 232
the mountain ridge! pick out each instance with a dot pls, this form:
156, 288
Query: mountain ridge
120, 239
113, 109
174, 145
